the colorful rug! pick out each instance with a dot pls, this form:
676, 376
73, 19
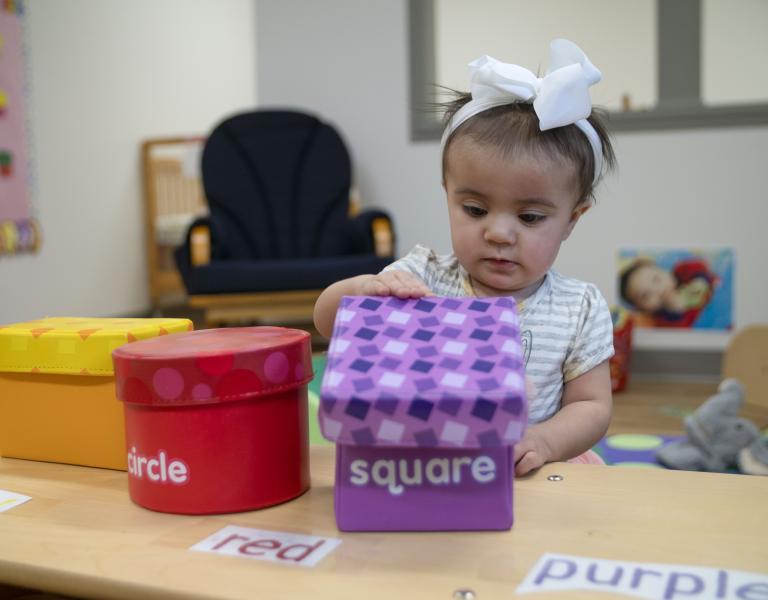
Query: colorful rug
633, 449
318, 366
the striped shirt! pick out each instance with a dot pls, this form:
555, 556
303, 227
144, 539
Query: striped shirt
565, 325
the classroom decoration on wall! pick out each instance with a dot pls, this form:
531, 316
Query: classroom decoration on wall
19, 231
677, 287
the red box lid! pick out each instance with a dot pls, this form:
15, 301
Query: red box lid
212, 365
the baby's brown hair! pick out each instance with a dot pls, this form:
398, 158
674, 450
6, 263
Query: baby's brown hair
514, 127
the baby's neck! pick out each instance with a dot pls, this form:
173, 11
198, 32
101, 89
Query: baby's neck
519, 295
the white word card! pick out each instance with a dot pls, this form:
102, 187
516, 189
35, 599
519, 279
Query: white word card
9, 500
273, 546
558, 572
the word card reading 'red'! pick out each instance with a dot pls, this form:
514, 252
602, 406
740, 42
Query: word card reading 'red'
272, 546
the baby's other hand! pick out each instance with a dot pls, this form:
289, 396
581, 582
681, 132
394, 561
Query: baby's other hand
694, 294
401, 284
531, 452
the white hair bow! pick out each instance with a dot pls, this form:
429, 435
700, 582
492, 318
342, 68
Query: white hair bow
559, 98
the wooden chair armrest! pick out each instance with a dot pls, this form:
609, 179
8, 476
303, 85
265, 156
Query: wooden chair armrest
200, 245
355, 206
383, 240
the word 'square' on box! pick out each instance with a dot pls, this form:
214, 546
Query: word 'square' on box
425, 399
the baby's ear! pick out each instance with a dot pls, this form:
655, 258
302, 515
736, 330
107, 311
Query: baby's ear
576, 213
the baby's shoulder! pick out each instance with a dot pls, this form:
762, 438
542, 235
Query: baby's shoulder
570, 286
575, 291
441, 272
430, 259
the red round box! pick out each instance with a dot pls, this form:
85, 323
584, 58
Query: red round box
216, 419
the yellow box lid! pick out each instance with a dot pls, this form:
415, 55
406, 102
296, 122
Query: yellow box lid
74, 345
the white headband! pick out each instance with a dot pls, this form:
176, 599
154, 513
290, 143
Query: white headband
559, 98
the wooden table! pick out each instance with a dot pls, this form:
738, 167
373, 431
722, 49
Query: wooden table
81, 535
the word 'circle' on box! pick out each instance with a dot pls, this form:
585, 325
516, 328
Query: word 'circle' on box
216, 420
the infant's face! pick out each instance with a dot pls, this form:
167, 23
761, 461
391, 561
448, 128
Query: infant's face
651, 288
508, 216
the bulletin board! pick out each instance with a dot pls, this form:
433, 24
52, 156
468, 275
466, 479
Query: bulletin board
19, 231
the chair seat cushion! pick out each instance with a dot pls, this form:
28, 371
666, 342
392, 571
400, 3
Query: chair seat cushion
243, 276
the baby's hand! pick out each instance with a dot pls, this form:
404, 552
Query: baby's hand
531, 452
394, 283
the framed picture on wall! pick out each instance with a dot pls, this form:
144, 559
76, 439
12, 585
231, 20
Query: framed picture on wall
677, 287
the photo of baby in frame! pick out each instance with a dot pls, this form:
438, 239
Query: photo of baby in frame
677, 288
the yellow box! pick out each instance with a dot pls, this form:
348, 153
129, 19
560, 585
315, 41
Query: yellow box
57, 393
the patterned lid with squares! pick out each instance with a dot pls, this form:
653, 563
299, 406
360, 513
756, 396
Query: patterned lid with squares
75, 345
424, 372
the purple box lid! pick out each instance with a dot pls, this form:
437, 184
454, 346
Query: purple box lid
427, 372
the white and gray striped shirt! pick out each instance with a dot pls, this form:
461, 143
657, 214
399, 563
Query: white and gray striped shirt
566, 328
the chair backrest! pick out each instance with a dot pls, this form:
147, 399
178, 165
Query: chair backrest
277, 185
173, 198
746, 359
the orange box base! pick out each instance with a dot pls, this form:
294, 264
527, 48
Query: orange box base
72, 419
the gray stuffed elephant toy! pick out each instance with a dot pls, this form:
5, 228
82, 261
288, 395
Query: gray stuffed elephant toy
716, 434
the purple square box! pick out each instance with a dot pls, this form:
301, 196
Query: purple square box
418, 457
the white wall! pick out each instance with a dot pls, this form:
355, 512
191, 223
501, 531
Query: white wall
105, 75
690, 189
347, 60
734, 47
622, 34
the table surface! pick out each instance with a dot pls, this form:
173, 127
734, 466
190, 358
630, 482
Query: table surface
81, 535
